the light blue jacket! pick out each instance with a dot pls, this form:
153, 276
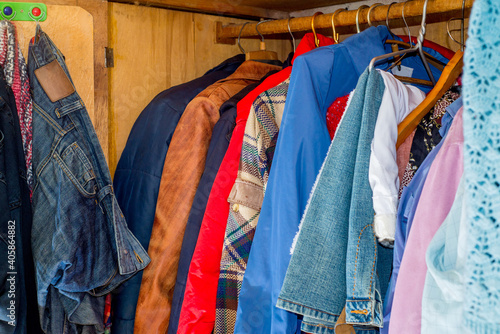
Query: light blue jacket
481, 89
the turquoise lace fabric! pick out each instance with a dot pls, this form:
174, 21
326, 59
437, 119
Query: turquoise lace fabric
481, 89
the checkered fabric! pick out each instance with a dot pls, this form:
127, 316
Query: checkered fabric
259, 142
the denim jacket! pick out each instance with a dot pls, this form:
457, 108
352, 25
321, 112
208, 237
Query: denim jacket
81, 244
350, 268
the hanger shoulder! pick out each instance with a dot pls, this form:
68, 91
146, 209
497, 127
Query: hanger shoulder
414, 81
433, 60
261, 55
450, 74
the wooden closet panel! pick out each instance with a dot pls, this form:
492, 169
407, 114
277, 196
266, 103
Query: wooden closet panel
77, 25
156, 49
140, 40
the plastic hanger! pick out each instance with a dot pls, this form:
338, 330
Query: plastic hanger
290, 31
262, 54
417, 48
335, 34
316, 39
450, 74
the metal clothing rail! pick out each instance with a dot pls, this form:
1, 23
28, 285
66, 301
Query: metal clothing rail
227, 34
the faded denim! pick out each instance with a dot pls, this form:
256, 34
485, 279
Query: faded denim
337, 261
81, 244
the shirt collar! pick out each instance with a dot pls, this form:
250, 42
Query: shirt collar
453, 108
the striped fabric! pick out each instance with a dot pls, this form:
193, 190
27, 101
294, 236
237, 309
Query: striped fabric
259, 142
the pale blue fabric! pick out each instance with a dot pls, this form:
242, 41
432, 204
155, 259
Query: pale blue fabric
447, 118
317, 79
481, 91
444, 290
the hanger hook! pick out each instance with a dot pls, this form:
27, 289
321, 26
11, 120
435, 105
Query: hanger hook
420, 40
316, 39
4, 18
421, 34
335, 34
462, 33
290, 31
357, 17
387, 18
448, 30
34, 18
372, 7
462, 37
257, 28
406, 24
239, 36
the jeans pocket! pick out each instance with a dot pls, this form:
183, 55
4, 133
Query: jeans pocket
78, 168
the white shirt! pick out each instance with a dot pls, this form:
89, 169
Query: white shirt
397, 102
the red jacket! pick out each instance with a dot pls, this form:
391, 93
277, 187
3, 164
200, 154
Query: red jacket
198, 309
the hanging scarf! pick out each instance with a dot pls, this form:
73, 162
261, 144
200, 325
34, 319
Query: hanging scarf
16, 76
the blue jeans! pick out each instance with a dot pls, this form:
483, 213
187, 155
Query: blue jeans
81, 244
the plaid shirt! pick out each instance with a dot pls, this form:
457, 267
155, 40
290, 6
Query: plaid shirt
247, 194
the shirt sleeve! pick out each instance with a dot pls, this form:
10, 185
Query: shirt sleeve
397, 102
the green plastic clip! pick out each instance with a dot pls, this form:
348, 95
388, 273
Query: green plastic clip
23, 11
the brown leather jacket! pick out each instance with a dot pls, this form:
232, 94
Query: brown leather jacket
182, 171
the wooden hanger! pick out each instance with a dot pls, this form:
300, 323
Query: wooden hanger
262, 54
450, 74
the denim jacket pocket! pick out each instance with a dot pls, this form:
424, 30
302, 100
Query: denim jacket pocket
78, 168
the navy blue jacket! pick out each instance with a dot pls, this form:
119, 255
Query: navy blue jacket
138, 174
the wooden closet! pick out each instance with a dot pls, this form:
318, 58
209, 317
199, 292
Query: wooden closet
156, 44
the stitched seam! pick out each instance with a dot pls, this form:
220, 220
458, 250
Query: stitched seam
49, 119
72, 178
310, 308
373, 265
356, 262
319, 325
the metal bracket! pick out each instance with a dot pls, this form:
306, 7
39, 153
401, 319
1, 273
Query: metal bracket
109, 58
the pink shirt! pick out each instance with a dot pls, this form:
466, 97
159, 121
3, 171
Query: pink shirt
435, 202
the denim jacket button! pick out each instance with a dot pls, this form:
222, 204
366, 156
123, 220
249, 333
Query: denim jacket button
125, 251
236, 207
